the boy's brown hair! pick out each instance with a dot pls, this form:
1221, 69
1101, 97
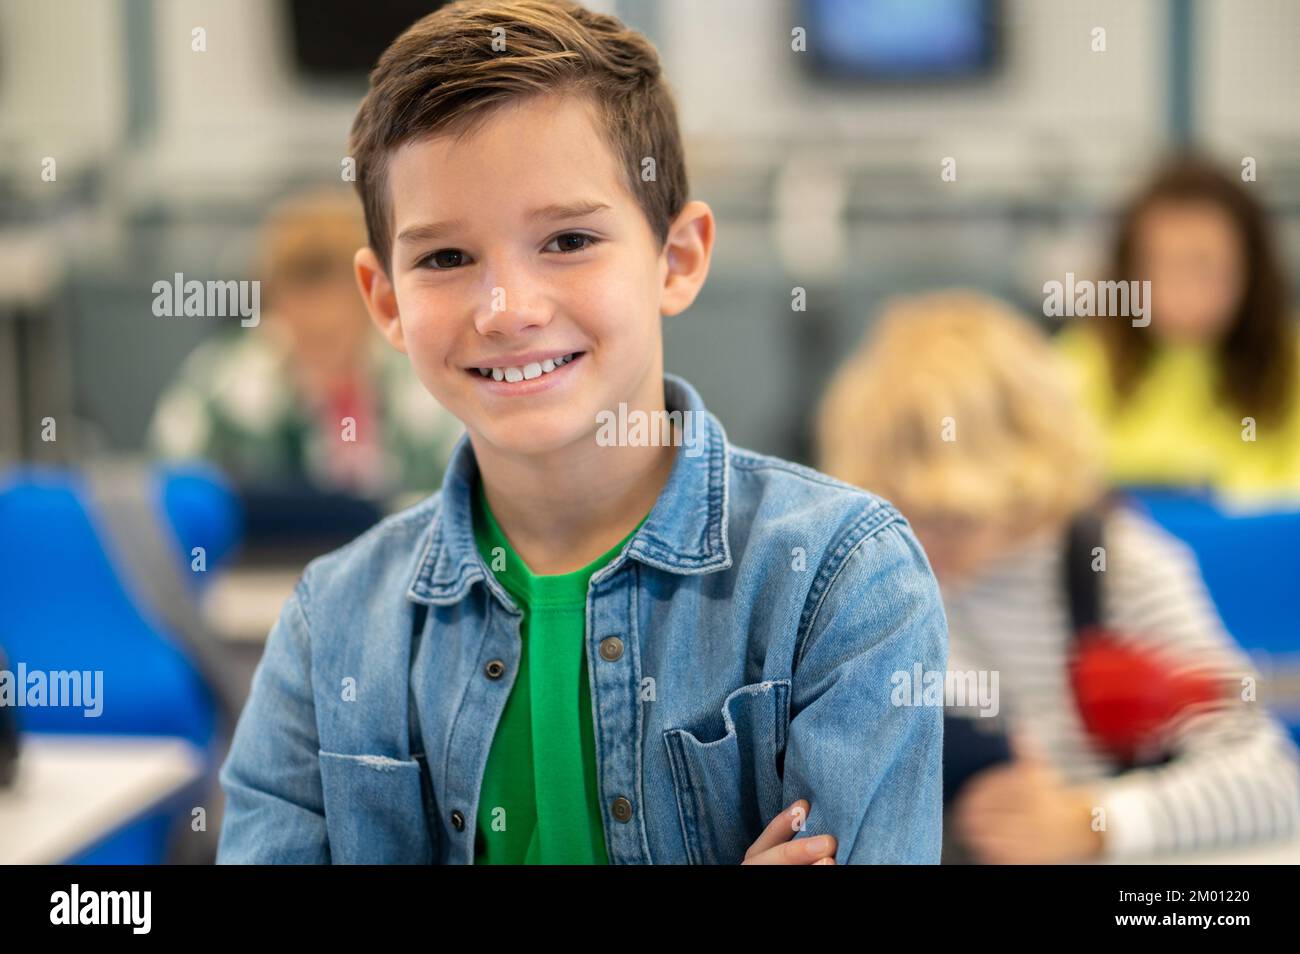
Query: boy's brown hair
443, 76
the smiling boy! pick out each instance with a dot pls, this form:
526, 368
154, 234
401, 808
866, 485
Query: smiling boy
580, 650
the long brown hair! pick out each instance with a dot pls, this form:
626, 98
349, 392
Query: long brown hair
1257, 356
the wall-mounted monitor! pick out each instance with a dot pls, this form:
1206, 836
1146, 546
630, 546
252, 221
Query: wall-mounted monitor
901, 41
342, 39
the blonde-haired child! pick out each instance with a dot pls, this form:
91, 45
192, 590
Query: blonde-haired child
957, 410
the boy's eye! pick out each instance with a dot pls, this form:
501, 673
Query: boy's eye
444, 258
449, 258
590, 240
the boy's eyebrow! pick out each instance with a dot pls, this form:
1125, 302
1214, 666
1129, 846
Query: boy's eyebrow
552, 212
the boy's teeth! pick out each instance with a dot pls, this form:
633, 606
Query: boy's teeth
527, 372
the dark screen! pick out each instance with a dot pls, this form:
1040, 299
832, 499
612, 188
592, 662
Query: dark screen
343, 38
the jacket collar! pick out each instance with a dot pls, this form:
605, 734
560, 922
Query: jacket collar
685, 533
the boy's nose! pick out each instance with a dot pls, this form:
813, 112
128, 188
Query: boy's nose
507, 313
511, 300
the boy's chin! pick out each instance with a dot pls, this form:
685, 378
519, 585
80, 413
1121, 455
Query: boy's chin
540, 437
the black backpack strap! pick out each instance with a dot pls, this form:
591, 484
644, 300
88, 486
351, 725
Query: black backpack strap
1082, 582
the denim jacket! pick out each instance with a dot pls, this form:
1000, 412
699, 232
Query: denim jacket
744, 650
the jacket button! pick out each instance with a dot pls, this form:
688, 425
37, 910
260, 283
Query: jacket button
611, 648
494, 669
457, 821
622, 809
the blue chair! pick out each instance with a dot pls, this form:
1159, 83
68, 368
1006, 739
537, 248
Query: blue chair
64, 605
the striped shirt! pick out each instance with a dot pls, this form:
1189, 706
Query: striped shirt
1234, 775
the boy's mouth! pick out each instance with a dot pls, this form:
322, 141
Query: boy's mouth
526, 376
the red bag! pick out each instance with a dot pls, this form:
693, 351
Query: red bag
1131, 698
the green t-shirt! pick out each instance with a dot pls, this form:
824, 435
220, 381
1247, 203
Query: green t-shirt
539, 802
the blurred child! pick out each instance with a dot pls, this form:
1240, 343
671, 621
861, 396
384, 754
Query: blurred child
958, 411
311, 394
1207, 394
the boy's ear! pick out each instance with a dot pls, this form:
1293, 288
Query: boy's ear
378, 294
686, 255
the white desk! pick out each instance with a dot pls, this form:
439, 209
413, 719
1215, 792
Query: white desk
1265, 853
72, 790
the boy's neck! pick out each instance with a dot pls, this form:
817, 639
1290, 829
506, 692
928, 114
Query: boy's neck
565, 510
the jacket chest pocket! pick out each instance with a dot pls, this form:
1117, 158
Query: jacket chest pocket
375, 810
728, 789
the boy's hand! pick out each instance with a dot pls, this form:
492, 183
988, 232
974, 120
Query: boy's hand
776, 847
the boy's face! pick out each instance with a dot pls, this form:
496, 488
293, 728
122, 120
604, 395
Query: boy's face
542, 257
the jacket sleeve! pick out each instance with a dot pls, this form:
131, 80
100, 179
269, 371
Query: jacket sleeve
865, 756
271, 778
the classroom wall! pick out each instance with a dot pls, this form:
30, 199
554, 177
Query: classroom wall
172, 155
